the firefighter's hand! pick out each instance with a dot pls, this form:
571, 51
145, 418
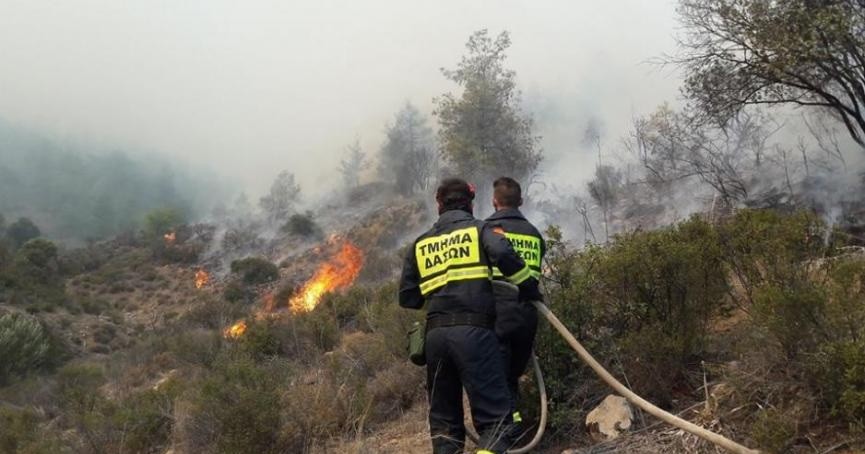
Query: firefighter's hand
529, 291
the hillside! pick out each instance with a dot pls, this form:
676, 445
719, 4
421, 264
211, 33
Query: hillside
171, 344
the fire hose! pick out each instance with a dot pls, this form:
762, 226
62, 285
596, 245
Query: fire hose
542, 422
632, 397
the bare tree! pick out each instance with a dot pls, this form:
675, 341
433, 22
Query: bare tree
592, 135
672, 146
738, 53
604, 190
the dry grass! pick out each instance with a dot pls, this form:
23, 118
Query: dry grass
407, 433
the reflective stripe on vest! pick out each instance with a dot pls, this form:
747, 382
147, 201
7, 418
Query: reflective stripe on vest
528, 247
449, 257
458, 274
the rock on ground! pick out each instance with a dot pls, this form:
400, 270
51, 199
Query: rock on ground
609, 419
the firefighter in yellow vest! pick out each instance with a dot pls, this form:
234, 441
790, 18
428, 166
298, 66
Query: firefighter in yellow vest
448, 272
516, 321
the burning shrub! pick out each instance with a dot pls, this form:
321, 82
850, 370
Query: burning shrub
161, 221
212, 313
259, 340
338, 273
255, 270
24, 345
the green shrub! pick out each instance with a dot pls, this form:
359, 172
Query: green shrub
94, 306
144, 419
236, 408
24, 345
302, 225
161, 220
21, 432
652, 293
78, 388
773, 430
792, 314
36, 261
236, 292
259, 339
255, 270
198, 346
139, 421
765, 246
838, 372
845, 311
22, 231
104, 333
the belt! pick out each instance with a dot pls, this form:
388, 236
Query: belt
479, 320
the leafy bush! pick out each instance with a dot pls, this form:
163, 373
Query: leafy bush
765, 246
838, 372
236, 292
645, 299
255, 270
145, 418
791, 313
139, 421
259, 340
235, 409
837, 368
36, 261
302, 225
161, 220
773, 430
20, 432
24, 345
22, 231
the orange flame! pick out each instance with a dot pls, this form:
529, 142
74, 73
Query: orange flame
235, 331
338, 273
169, 237
201, 278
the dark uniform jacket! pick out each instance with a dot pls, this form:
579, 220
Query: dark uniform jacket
526, 240
448, 267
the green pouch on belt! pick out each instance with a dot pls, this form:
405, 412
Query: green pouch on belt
416, 341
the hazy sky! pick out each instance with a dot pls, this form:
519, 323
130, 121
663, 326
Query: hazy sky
252, 87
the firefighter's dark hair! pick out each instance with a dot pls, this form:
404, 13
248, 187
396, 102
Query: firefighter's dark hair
508, 192
455, 194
